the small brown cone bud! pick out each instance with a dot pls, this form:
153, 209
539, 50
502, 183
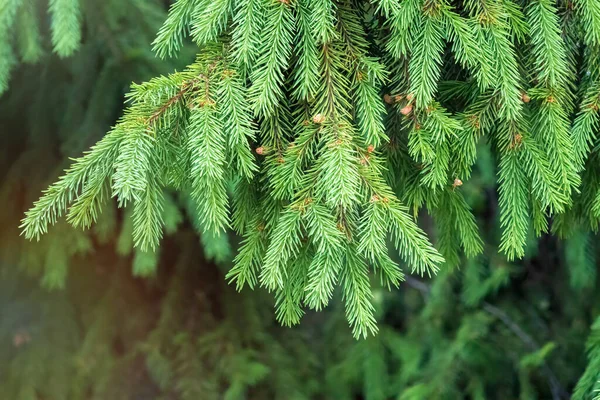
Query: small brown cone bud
398, 98
406, 110
388, 99
518, 138
370, 149
516, 141
457, 183
525, 97
410, 96
319, 119
260, 151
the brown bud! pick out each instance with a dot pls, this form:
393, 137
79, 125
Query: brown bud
280, 160
374, 198
518, 138
370, 149
319, 119
417, 127
525, 97
388, 99
550, 99
474, 120
398, 98
457, 183
260, 150
410, 96
406, 109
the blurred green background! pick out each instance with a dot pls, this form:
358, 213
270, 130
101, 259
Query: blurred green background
83, 315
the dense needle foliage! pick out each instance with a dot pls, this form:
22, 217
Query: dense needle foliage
320, 132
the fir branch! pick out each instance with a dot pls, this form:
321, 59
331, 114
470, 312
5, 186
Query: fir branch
370, 110
284, 245
54, 202
237, 121
411, 242
246, 38
548, 46
585, 125
589, 12
323, 20
338, 180
288, 301
28, 33
470, 50
268, 77
133, 164
170, 36
206, 148
508, 79
8, 13
326, 265
249, 259
425, 65
404, 20
66, 26
209, 19
306, 72
514, 209
357, 295
148, 216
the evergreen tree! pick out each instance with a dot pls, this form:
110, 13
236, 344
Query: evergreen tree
317, 205
319, 131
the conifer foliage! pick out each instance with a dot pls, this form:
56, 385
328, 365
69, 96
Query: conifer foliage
318, 130
26, 36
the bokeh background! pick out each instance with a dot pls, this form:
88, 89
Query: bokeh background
84, 315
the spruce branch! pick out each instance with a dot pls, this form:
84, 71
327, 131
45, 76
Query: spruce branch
66, 26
